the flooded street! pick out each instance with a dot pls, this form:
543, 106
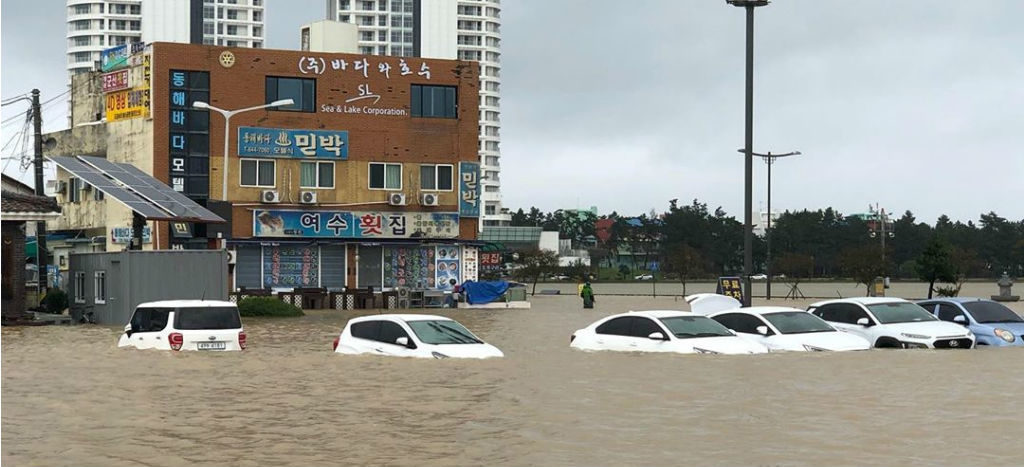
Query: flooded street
71, 397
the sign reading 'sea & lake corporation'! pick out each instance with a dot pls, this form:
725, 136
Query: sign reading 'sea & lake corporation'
469, 189
352, 224
365, 100
279, 142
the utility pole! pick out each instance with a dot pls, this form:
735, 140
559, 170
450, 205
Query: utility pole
770, 159
41, 260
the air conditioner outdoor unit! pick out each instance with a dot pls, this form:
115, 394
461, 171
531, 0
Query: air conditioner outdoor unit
53, 187
232, 254
396, 199
307, 197
428, 199
270, 196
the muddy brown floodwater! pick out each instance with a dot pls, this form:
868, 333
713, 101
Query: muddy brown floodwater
71, 397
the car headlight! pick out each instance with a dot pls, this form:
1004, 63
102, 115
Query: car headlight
915, 336
438, 355
811, 348
699, 350
1004, 335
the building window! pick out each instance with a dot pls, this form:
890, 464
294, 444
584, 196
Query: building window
385, 176
257, 15
79, 287
366, 36
301, 90
232, 30
489, 210
258, 173
316, 175
232, 14
436, 177
434, 101
209, 29
100, 287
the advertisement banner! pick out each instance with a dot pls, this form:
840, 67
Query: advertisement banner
291, 266
409, 266
352, 224
130, 103
114, 58
447, 266
279, 142
469, 189
123, 235
469, 263
490, 262
730, 286
115, 81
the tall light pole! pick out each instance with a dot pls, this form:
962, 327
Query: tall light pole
770, 159
748, 223
227, 130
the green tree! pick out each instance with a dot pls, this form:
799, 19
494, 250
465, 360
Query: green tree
685, 261
862, 263
796, 267
534, 264
936, 263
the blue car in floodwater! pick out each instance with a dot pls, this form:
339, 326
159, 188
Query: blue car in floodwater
991, 322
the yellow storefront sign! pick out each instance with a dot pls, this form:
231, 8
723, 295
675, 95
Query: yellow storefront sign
130, 103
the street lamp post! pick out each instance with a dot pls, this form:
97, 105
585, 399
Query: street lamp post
227, 130
770, 159
748, 224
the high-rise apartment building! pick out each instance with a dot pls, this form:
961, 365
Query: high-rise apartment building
449, 29
95, 25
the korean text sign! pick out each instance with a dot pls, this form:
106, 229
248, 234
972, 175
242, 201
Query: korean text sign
469, 189
130, 103
352, 224
730, 287
278, 142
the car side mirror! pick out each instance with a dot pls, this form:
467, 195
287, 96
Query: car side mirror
762, 330
656, 336
960, 319
128, 329
402, 341
864, 322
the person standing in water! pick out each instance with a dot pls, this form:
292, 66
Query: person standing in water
587, 293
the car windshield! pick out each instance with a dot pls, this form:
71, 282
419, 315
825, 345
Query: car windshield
991, 312
213, 317
900, 312
797, 322
686, 327
442, 332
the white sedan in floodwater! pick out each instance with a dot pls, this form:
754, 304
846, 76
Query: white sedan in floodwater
784, 328
662, 331
410, 335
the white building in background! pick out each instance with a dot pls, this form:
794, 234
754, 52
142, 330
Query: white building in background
329, 36
449, 29
95, 25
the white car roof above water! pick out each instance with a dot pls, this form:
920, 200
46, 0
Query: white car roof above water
662, 313
763, 310
400, 317
185, 304
862, 300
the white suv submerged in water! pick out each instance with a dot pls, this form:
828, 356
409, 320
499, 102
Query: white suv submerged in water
185, 325
892, 323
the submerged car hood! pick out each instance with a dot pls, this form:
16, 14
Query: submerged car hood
929, 328
724, 345
833, 340
467, 350
1014, 327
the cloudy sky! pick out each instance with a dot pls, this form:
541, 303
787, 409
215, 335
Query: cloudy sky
913, 105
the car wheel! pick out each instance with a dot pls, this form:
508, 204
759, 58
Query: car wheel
887, 343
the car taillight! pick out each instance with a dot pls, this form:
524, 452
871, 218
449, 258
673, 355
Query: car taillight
176, 340
335, 346
241, 339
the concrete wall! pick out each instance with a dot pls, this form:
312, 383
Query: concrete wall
330, 36
87, 100
134, 277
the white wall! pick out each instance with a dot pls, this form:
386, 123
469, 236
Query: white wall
549, 241
332, 36
165, 21
439, 37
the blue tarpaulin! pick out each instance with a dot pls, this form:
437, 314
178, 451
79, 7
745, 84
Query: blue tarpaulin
479, 293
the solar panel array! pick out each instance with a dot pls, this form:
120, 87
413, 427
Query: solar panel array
140, 192
153, 190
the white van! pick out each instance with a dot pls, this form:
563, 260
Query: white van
185, 325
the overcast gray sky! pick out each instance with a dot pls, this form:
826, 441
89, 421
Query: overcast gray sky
915, 105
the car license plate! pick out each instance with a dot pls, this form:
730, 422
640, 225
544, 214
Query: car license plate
213, 345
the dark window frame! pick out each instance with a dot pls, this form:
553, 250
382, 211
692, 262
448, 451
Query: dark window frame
306, 101
423, 102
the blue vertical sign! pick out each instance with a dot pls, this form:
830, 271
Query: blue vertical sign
469, 189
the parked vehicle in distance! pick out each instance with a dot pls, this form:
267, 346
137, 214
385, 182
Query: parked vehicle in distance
559, 277
411, 335
758, 277
185, 325
662, 331
643, 277
991, 322
892, 323
784, 328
